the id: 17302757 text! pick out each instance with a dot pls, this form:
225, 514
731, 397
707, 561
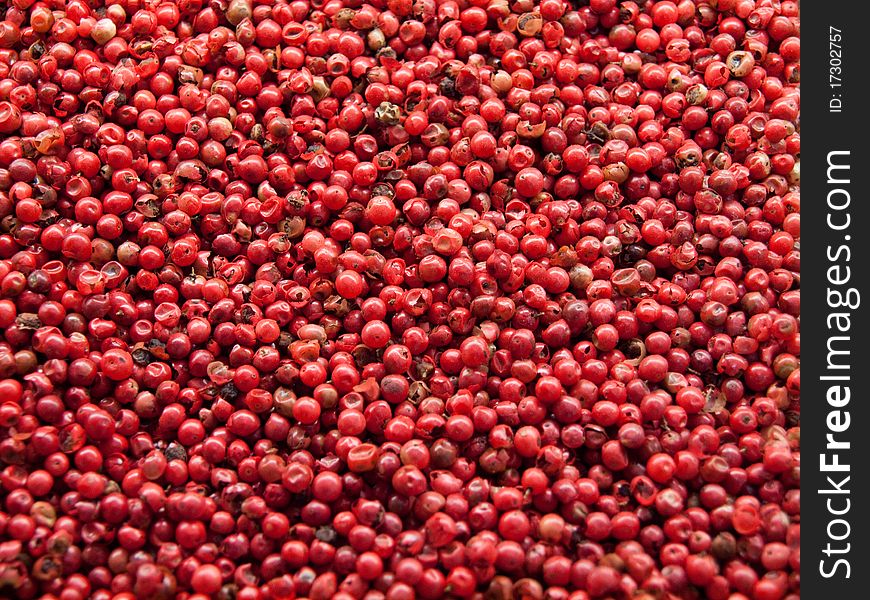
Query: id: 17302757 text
835, 69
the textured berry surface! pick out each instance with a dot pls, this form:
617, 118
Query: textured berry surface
400, 299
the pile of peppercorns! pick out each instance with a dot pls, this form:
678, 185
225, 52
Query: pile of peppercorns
400, 299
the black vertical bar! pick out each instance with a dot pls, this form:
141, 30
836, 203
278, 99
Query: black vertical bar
834, 131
